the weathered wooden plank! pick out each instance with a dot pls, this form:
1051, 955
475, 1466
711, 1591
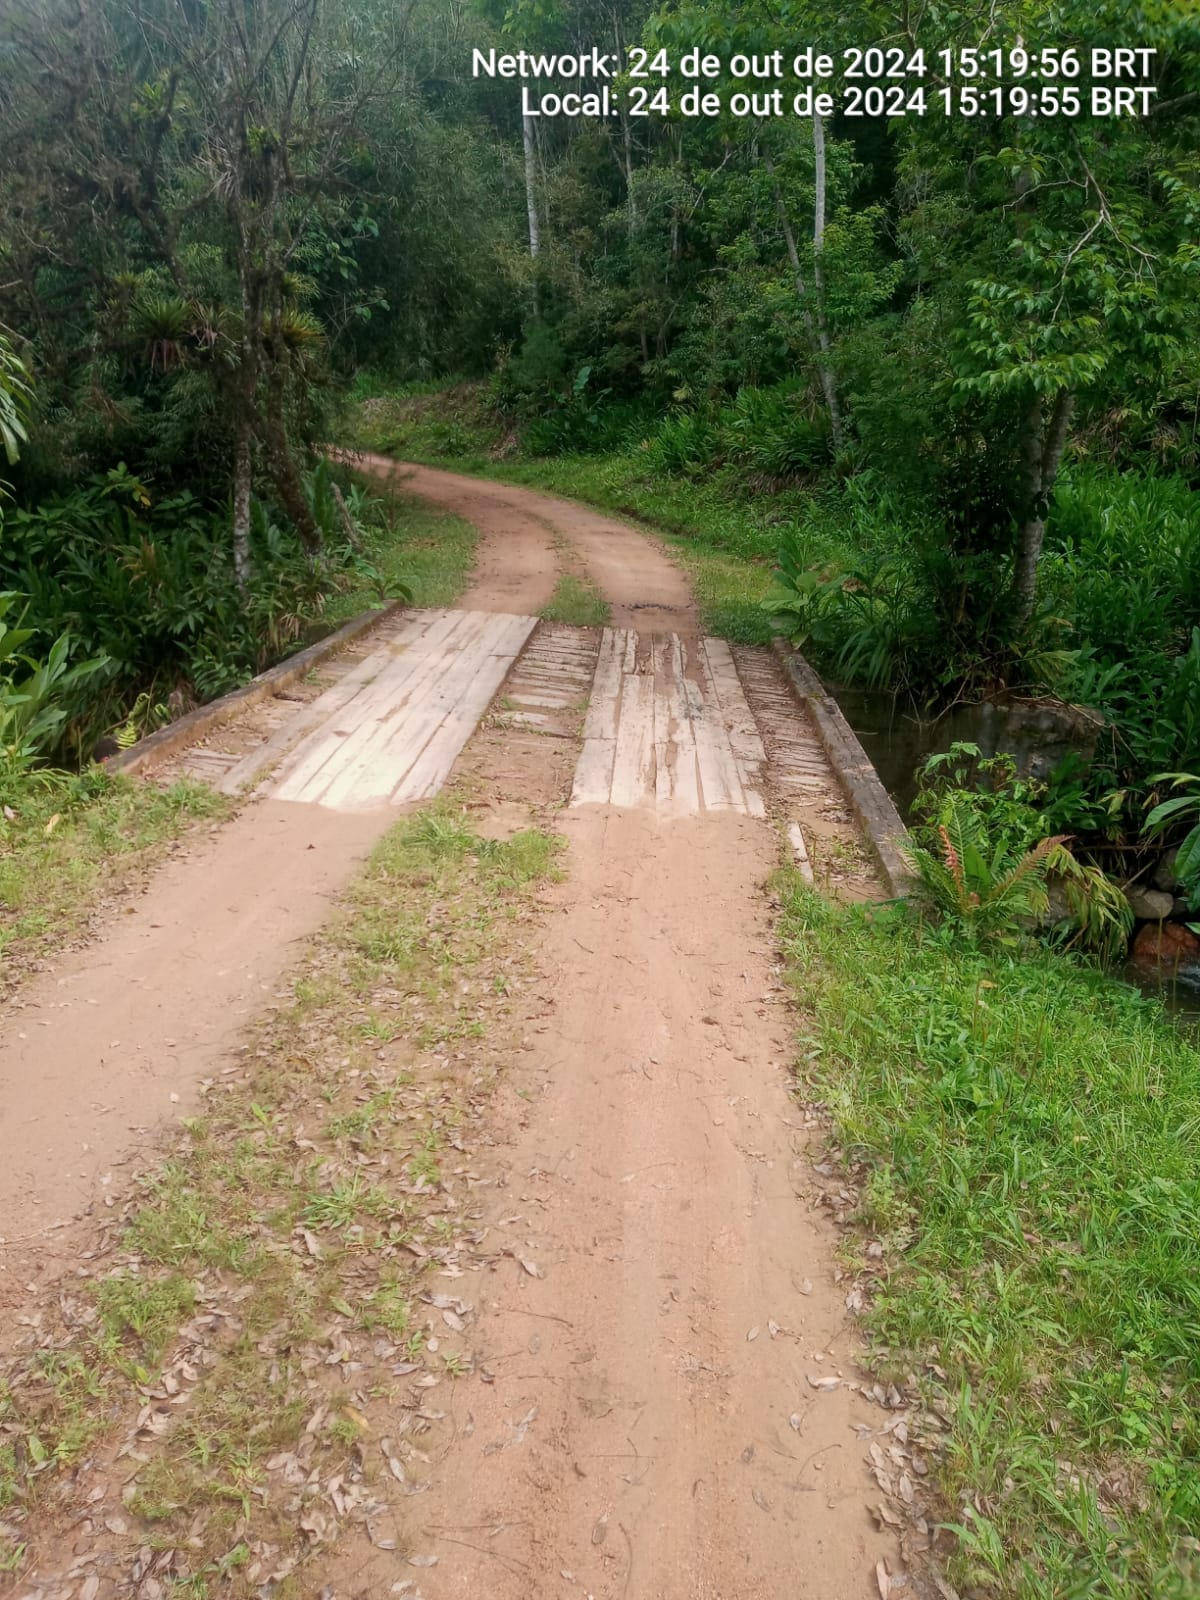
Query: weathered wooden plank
633, 765
328, 742
385, 706
553, 702
382, 762
800, 851
299, 724
720, 782
738, 720
603, 712
720, 786
677, 779
593, 773
432, 767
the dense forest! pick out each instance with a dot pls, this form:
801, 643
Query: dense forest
941, 371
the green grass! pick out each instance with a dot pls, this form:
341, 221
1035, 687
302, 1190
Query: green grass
577, 602
1025, 1135
443, 423
73, 841
413, 546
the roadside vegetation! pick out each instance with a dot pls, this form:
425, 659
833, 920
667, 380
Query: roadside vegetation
1020, 1133
411, 551
268, 1334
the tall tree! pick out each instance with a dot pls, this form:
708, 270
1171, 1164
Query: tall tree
228, 124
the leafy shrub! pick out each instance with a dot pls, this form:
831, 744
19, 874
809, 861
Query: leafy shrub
14, 401
865, 625
770, 433
686, 442
147, 586
985, 860
1122, 572
34, 696
1181, 808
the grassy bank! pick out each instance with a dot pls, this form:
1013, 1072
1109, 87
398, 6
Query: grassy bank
69, 844
1023, 1134
268, 1304
413, 547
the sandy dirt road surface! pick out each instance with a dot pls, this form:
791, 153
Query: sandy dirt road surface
642, 1425
655, 1410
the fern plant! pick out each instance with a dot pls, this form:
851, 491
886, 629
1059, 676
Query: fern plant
993, 890
145, 715
977, 883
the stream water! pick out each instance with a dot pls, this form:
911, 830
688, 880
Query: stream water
898, 741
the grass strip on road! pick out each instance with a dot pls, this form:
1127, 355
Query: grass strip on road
1024, 1136
577, 603
248, 1368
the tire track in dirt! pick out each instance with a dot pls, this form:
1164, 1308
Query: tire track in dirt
518, 564
100, 1051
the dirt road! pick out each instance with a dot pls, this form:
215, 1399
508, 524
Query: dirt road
647, 1429
655, 1410
528, 539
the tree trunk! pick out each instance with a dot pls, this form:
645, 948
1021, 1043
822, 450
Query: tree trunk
828, 384
531, 204
244, 396
282, 468
1041, 453
243, 483
811, 324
